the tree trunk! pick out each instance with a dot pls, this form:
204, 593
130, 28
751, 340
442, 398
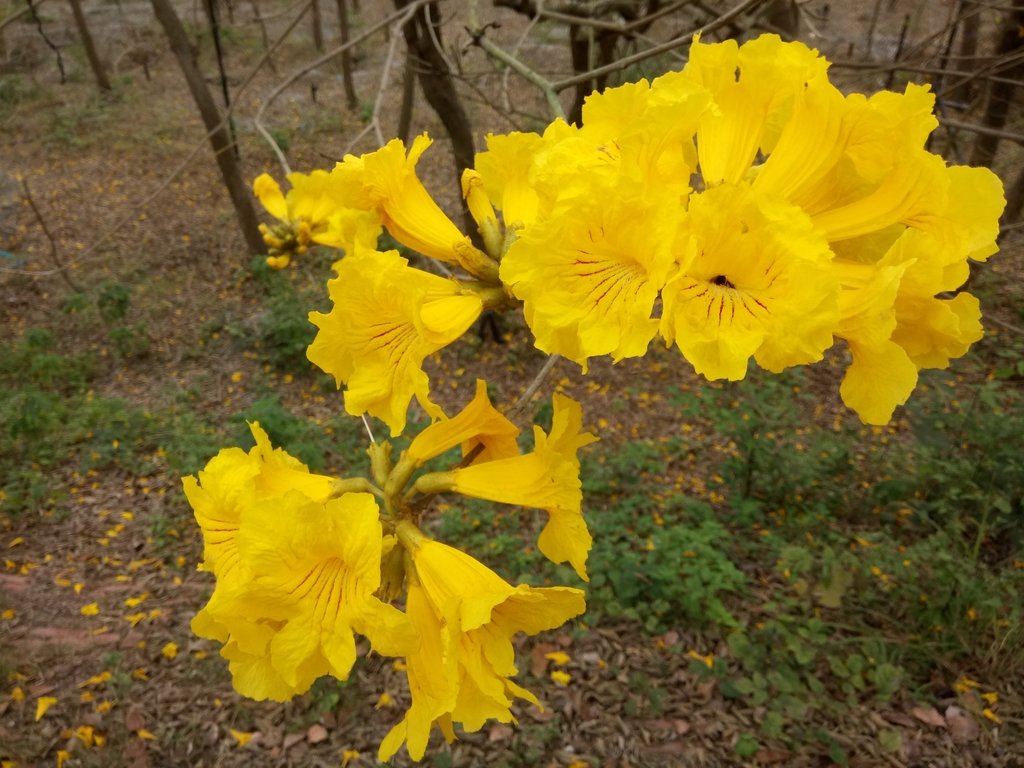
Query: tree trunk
346, 58
318, 27
969, 17
1000, 92
408, 101
263, 34
220, 139
90, 47
438, 85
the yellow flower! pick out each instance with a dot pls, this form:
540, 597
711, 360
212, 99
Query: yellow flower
560, 677
387, 317
231, 485
546, 478
590, 273
231, 482
242, 737
504, 169
466, 616
390, 186
754, 280
319, 208
314, 568
478, 424
751, 107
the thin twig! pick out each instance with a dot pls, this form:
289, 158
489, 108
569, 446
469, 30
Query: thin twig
133, 213
403, 16
531, 390
675, 42
18, 14
369, 432
54, 254
546, 86
49, 42
984, 129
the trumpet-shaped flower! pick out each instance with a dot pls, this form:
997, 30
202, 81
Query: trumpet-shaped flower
233, 481
589, 274
389, 184
317, 209
387, 317
754, 279
546, 478
478, 427
223, 496
466, 616
315, 567
504, 169
754, 87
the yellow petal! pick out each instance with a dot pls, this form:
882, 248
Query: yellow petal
268, 192
879, 379
43, 703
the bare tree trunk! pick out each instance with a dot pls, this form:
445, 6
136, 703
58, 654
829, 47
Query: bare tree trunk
969, 18
263, 33
1014, 199
437, 83
999, 92
90, 47
346, 58
579, 51
220, 139
408, 101
318, 27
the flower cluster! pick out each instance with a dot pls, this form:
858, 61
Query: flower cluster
742, 209
306, 562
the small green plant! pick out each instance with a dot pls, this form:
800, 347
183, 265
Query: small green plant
113, 301
130, 341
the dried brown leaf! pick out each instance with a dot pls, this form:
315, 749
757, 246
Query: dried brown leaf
134, 720
929, 716
316, 733
772, 756
962, 727
500, 732
291, 739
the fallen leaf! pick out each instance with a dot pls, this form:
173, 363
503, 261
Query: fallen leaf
316, 734
291, 739
962, 727
706, 688
772, 756
929, 716
538, 658
133, 719
499, 732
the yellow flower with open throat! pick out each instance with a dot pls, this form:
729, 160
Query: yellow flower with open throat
387, 318
754, 279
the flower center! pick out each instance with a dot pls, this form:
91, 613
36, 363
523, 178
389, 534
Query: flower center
722, 281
